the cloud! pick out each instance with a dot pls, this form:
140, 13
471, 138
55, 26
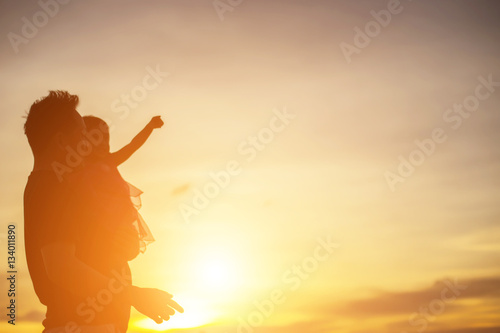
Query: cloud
472, 330
392, 303
32, 316
477, 302
181, 189
495, 329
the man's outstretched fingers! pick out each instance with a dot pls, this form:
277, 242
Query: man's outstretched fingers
175, 305
166, 313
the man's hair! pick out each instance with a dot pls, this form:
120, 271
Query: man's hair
48, 116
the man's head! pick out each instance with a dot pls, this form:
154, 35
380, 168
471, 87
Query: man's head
53, 123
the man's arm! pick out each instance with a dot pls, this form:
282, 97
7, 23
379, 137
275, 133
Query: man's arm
67, 271
123, 154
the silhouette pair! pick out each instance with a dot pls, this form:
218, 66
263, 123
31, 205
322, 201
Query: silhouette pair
82, 229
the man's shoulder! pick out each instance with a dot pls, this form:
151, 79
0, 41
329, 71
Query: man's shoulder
43, 184
48, 210
44, 196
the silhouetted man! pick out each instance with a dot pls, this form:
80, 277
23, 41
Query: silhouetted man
81, 295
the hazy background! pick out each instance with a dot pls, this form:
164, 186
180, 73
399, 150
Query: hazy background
323, 176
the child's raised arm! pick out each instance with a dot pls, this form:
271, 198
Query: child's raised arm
123, 154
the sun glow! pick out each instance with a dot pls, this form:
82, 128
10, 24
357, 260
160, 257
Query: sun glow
212, 278
217, 273
197, 313
215, 270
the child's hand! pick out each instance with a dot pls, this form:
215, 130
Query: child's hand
156, 122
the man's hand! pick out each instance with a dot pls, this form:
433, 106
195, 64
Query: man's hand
156, 122
154, 303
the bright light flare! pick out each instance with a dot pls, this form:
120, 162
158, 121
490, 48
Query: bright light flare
217, 273
197, 313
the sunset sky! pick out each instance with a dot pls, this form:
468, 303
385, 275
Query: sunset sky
354, 143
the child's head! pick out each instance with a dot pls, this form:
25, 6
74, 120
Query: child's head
98, 130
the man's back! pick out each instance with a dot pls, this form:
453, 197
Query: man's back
45, 199
52, 214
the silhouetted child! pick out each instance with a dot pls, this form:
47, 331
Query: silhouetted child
116, 202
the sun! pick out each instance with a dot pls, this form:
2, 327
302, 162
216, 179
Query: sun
217, 272
212, 279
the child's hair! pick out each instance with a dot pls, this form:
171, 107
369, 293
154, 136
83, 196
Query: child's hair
94, 124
